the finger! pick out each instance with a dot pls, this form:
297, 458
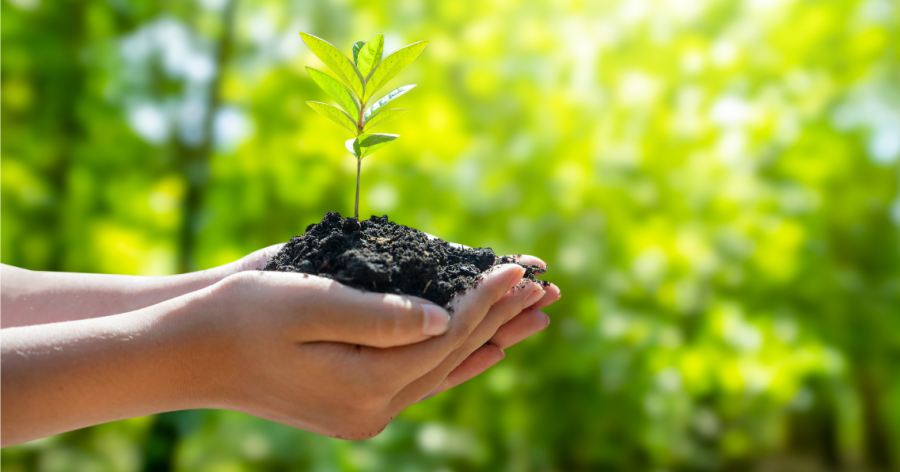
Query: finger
468, 313
256, 260
381, 320
479, 361
525, 324
529, 260
322, 309
522, 326
500, 313
530, 291
551, 295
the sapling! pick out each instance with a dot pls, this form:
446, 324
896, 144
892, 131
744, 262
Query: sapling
360, 79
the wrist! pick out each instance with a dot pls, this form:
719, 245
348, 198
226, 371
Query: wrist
165, 347
198, 337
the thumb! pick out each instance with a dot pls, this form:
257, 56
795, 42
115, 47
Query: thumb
380, 320
256, 260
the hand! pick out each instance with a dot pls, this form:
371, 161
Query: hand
315, 354
151, 360
524, 325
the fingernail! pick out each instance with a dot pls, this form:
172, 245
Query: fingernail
437, 320
536, 295
516, 276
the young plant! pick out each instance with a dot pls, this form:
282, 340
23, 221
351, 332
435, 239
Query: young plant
360, 79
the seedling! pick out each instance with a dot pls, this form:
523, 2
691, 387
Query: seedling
360, 79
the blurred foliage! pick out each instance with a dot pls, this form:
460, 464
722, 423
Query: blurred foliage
713, 183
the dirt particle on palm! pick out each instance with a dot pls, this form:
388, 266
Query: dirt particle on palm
381, 256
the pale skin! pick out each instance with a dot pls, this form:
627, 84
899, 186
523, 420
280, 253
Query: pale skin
85, 349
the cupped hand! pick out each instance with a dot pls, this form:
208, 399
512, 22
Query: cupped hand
523, 325
315, 354
298, 349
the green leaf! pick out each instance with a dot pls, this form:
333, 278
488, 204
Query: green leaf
335, 90
385, 116
356, 47
334, 114
373, 110
336, 61
390, 67
370, 55
366, 144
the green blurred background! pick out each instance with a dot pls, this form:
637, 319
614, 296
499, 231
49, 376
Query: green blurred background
714, 185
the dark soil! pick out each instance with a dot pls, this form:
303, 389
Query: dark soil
381, 256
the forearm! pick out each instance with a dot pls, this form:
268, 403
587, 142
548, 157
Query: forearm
64, 376
30, 298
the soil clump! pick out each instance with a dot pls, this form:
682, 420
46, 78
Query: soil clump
379, 255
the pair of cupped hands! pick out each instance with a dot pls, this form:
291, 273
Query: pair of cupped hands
343, 362
297, 349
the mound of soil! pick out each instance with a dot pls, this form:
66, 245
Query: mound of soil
381, 256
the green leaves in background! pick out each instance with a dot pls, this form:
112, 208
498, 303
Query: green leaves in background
390, 114
335, 90
370, 55
366, 144
356, 47
682, 341
336, 61
396, 93
334, 114
391, 66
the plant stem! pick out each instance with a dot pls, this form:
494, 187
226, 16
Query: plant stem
359, 131
356, 206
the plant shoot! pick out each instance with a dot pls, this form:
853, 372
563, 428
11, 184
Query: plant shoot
358, 81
